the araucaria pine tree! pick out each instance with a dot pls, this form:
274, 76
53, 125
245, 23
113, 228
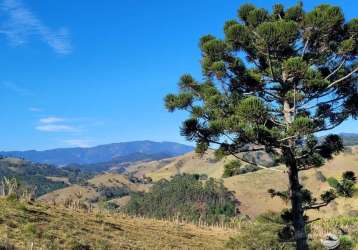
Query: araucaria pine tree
275, 80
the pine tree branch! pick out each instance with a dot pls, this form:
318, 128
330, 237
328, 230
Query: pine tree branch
326, 102
336, 70
343, 78
255, 164
288, 138
318, 95
234, 154
311, 221
305, 47
316, 206
277, 123
276, 97
329, 128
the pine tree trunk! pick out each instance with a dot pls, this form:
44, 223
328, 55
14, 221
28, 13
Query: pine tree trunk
296, 201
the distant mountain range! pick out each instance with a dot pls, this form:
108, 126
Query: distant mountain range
115, 152
117, 155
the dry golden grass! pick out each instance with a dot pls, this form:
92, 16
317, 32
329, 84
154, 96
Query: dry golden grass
116, 180
88, 192
73, 192
251, 189
189, 163
57, 228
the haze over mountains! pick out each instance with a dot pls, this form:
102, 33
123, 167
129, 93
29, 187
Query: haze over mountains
117, 152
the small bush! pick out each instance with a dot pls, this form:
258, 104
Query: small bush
263, 234
346, 243
232, 168
248, 169
349, 175
107, 193
328, 196
345, 187
333, 182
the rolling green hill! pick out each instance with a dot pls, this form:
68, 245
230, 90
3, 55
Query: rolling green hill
45, 178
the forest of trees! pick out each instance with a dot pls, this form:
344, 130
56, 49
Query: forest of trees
186, 198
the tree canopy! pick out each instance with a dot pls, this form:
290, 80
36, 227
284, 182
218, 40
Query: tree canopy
275, 80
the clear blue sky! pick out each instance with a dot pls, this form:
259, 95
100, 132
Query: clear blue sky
92, 72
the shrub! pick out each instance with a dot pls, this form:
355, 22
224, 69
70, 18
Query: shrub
333, 182
328, 196
248, 169
232, 168
346, 243
108, 193
262, 234
346, 186
187, 198
349, 175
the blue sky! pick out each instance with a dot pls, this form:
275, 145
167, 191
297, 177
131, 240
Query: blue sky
83, 73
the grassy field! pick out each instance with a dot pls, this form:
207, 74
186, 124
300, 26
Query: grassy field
57, 228
39, 226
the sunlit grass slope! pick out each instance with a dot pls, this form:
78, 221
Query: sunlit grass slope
22, 225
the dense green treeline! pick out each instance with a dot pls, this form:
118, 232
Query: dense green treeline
185, 197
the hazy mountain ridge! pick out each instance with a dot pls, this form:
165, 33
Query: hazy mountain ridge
102, 153
120, 164
349, 139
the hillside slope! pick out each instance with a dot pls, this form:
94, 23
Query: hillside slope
103, 187
251, 188
189, 163
45, 178
22, 225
